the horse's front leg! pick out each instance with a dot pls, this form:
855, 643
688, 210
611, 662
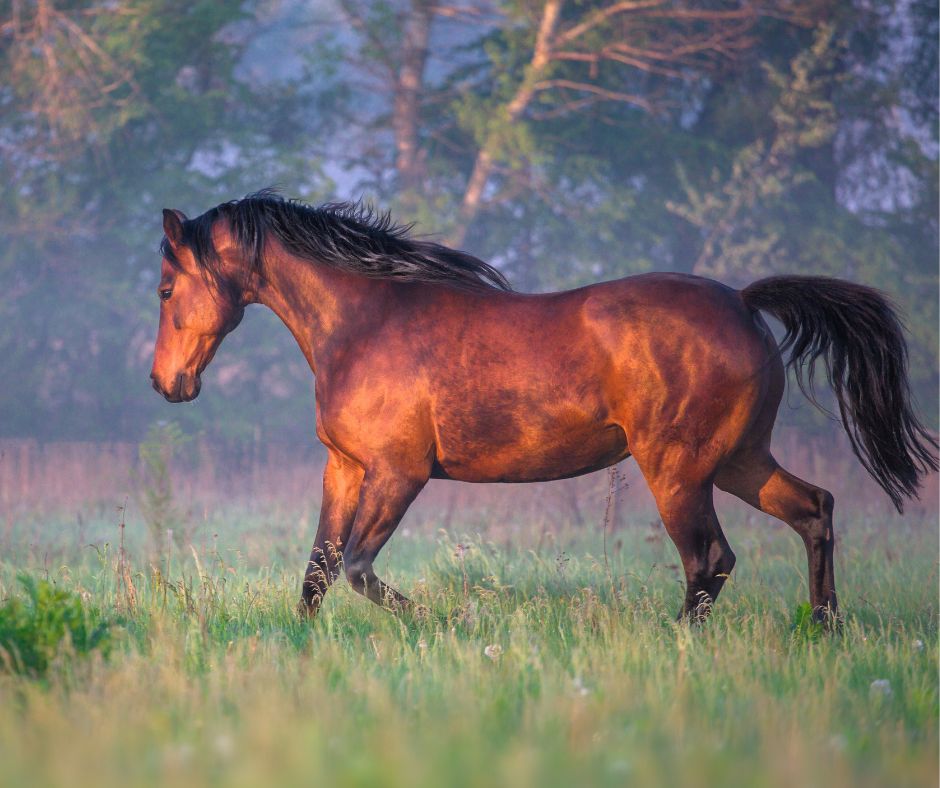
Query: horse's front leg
341, 482
384, 496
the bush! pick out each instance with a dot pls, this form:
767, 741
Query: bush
34, 628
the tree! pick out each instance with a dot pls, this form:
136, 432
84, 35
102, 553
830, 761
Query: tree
566, 141
110, 112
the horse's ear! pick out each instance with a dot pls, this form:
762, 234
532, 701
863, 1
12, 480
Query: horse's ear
173, 226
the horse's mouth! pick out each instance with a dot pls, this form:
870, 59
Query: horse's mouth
185, 388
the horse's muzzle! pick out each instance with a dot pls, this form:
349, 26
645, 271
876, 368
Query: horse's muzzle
183, 389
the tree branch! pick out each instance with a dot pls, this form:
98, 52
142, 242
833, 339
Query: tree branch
597, 90
483, 166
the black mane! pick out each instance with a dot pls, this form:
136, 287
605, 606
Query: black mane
349, 236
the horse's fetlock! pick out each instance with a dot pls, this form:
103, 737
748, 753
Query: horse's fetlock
721, 560
726, 563
356, 569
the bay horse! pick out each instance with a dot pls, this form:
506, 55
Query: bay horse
428, 365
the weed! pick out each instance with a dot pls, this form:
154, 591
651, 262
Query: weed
34, 629
158, 505
806, 627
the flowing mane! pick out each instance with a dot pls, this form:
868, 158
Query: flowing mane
349, 236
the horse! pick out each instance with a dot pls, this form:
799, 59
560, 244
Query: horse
428, 365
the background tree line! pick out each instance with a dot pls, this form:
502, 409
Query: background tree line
567, 141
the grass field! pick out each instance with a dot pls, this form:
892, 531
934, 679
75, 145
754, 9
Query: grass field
542, 663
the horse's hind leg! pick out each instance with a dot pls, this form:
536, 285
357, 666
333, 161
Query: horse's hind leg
707, 558
755, 477
341, 482
383, 499
684, 497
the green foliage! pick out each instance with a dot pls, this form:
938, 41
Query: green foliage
806, 627
732, 212
36, 628
812, 150
89, 172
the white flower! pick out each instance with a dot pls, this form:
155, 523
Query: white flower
224, 745
493, 651
880, 689
918, 645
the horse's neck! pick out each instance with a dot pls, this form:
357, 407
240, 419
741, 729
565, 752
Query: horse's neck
314, 301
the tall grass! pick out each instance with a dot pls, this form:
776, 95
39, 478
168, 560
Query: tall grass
543, 661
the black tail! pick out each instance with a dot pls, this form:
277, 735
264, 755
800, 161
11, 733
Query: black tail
858, 335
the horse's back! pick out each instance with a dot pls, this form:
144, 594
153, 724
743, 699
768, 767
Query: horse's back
552, 385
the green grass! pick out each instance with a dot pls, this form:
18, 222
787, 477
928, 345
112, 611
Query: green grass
212, 680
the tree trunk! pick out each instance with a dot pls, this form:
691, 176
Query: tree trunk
483, 166
406, 101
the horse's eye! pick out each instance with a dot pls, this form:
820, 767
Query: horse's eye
165, 294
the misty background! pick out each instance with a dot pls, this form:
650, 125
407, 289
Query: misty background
566, 142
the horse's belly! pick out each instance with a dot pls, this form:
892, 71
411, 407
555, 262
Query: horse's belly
531, 455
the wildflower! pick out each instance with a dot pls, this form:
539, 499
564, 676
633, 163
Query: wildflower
880, 689
224, 746
493, 651
918, 645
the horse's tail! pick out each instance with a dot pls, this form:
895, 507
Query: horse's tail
858, 335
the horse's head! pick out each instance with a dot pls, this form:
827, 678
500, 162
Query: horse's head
198, 307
